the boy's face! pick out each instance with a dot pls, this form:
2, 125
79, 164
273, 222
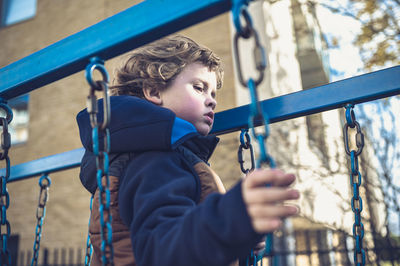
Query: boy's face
191, 96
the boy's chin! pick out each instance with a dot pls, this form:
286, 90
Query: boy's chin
204, 132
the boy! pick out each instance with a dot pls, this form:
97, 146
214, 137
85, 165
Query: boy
174, 206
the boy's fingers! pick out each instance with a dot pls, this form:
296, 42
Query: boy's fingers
270, 195
260, 245
262, 212
262, 177
263, 226
285, 181
274, 177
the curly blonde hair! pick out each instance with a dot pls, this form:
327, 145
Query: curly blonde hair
157, 64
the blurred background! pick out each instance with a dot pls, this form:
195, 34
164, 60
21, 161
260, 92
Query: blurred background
308, 44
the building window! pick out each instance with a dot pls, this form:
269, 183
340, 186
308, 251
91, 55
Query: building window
14, 11
18, 127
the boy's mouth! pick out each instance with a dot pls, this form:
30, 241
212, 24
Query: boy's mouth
209, 117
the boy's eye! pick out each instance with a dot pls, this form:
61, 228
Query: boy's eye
198, 88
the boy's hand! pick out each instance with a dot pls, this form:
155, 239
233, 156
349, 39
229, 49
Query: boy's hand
265, 205
260, 247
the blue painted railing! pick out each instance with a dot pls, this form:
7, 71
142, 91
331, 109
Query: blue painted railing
149, 21
367, 87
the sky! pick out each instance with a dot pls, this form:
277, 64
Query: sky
345, 60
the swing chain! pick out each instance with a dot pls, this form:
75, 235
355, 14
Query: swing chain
44, 183
89, 248
257, 115
101, 153
5, 228
355, 181
245, 145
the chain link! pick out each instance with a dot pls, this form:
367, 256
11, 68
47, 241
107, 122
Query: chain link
101, 150
5, 228
89, 247
247, 32
257, 115
355, 181
44, 183
245, 145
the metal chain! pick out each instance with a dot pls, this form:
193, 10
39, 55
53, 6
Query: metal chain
355, 181
257, 115
101, 150
256, 112
252, 259
44, 183
5, 228
89, 248
245, 145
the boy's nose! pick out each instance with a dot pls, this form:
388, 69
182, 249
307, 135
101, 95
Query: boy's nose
211, 102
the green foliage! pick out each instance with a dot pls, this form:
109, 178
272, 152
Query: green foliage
379, 37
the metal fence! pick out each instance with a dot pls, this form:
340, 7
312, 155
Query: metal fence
311, 247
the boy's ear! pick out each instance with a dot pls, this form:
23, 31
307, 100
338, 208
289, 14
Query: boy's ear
152, 95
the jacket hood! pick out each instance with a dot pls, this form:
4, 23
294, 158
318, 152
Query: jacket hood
137, 125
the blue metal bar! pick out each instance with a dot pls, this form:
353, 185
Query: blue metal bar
129, 29
367, 87
49, 164
358, 89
